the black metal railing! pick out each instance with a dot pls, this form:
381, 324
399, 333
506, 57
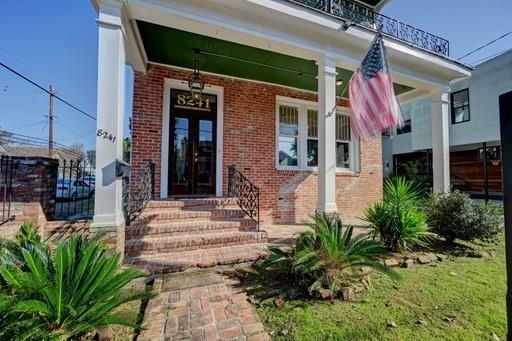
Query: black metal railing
138, 192
246, 193
6, 174
76, 183
360, 14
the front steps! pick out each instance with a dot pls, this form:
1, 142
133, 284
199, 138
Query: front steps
175, 235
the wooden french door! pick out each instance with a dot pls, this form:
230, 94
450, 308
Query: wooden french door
192, 145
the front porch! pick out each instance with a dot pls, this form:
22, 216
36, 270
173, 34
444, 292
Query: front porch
274, 104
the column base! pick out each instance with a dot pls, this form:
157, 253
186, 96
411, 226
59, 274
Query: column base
327, 208
111, 227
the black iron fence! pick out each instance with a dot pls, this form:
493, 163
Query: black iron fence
360, 14
138, 192
246, 193
76, 183
6, 174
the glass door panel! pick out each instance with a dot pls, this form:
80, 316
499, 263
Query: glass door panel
204, 153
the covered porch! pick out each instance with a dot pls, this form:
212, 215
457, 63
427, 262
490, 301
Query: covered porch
268, 66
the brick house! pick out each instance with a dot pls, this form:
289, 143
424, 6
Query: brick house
274, 102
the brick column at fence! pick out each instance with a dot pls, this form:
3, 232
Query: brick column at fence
34, 182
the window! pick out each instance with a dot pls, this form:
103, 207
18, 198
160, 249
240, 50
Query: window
312, 138
342, 140
404, 128
288, 135
460, 106
297, 140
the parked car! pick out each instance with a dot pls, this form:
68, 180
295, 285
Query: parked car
74, 189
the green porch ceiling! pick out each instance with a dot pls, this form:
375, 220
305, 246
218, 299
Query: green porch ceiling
174, 47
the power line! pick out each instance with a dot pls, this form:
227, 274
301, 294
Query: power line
17, 61
25, 125
37, 144
90, 138
8, 134
47, 91
42, 130
485, 45
491, 56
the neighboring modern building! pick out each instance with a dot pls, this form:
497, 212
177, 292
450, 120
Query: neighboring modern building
274, 102
473, 126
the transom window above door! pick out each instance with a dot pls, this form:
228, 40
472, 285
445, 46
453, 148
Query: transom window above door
297, 137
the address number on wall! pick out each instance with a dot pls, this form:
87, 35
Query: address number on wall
106, 135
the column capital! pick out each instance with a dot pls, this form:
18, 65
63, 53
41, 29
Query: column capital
110, 13
327, 65
441, 97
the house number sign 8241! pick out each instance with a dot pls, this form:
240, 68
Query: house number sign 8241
106, 135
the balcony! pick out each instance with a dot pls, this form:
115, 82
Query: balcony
365, 16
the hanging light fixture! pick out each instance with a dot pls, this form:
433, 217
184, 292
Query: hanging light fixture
196, 81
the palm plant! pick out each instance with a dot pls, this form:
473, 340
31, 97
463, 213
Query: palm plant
66, 293
327, 256
398, 220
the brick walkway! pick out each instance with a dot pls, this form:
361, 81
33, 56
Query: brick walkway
201, 305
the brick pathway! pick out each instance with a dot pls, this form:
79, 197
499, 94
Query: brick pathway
201, 305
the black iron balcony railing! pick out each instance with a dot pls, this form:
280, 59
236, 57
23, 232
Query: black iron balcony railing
367, 17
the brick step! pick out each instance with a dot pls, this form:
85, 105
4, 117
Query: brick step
210, 213
188, 203
151, 245
181, 261
189, 226
190, 208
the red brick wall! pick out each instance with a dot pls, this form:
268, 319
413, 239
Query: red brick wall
249, 142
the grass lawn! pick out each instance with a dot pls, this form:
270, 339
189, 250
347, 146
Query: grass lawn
461, 298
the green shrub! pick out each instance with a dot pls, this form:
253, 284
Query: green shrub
62, 294
454, 215
326, 256
397, 220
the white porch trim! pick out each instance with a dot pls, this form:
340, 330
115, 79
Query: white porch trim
326, 201
108, 206
164, 164
441, 141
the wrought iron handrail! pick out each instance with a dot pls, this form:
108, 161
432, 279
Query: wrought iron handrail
137, 193
246, 193
365, 16
6, 174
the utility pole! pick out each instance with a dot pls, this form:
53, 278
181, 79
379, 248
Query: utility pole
50, 125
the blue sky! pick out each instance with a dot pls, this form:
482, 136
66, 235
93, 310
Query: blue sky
56, 41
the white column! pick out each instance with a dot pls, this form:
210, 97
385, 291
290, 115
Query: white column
326, 135
441, 141
108, 210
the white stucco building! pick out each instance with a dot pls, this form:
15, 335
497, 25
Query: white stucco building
474, 120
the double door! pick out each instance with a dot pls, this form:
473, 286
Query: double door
192, 159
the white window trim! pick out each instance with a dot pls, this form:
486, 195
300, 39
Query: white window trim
302, 144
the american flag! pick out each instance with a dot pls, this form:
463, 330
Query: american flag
373, 104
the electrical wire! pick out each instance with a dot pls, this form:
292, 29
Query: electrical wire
25, 125
491, 56
90, 138
42, 130
485, 45
12, 135
47, 91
